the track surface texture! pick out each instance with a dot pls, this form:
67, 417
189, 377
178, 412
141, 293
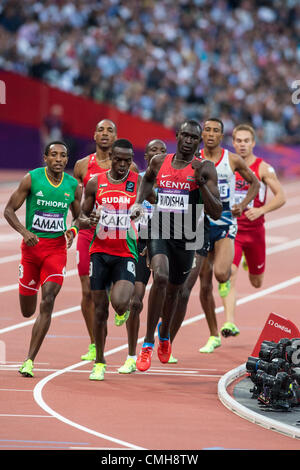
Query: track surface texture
170, 406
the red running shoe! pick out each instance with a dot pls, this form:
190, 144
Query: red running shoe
164, 348
143, 361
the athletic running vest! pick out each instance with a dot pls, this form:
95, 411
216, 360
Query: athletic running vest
241, 188
47, 205
115, 233
142, 223
93, 169
179, 204
226, 184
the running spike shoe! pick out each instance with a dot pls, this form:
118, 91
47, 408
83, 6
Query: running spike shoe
164, 347
143, 361
229, 329
212, 343
26, 368
121, 319
98, 371
91, 354
224, 288
128, 367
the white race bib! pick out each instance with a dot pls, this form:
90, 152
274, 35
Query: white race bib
172, 200
48, 222
113, 220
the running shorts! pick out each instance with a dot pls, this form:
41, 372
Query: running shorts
106, 269
44, 262
84, 239
218, 232
142, 270
180, 259
253, 244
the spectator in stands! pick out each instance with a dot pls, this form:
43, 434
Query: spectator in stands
164, 60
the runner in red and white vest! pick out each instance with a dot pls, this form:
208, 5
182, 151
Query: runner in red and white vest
113, 250
250, 241
84, 169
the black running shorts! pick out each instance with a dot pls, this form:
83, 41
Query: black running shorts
106, 269
180, 259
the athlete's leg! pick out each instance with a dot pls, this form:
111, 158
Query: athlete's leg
256, 280
206, 294
133, 322
87, 306
157, 295
169, 308
229, 301
120, 296
183, 297
42, 323
100, 299
224, 253
28, 304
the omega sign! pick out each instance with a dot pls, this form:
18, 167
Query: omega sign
277, 325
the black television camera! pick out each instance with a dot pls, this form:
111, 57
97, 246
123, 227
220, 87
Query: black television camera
274, 375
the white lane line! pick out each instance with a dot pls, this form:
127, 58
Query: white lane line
71, 272
279, 222
26, 416
270, 250
282, 221
37, 393
39, 387
65, 311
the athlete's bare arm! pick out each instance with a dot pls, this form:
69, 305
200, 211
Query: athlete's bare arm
149, 178
89, 217
207, 179
15, 202
80, 169
238, 164
75, 209
268, 176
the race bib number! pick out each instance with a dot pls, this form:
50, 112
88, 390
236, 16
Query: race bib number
239, 196
113, 220
131, 267
172, 200
48, 222
223, 190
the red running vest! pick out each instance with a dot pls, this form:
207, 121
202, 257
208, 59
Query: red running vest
241, 188
116, 234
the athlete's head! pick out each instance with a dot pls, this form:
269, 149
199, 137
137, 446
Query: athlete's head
121, 158
188, 137
154, 147
105, 134
56, 156
212, 134
243, 137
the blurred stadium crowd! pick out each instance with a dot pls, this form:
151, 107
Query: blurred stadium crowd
165, 60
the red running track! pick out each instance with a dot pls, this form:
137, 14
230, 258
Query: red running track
168, 407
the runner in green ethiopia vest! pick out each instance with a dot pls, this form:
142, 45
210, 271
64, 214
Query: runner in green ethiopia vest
49, 193
47, 205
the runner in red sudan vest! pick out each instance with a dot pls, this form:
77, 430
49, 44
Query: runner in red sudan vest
115, 233
113, 251
241, 188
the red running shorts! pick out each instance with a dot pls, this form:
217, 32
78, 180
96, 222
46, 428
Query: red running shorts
44, 262
253, 244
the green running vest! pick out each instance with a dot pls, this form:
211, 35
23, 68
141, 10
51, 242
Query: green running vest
47, 205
